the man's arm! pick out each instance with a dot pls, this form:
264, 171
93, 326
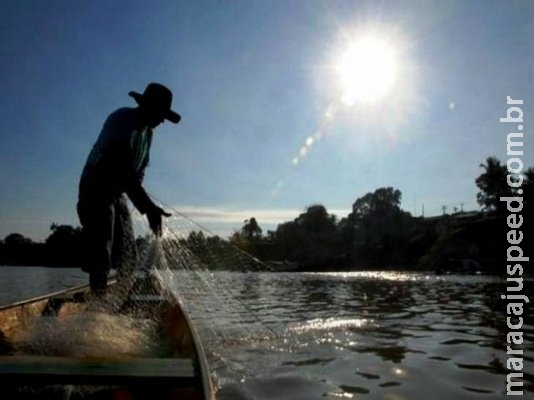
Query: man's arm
138, 195
145, 205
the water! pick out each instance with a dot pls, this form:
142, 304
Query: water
374, 336
347, 335
21, 283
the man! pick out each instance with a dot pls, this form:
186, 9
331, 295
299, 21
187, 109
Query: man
115, 167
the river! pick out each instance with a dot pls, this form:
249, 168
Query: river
360, 335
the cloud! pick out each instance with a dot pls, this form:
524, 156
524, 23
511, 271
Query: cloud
224, 221
224, 215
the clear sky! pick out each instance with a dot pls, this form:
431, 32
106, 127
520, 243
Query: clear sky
267, 129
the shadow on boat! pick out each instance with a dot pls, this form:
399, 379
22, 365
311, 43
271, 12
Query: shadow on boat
68, 345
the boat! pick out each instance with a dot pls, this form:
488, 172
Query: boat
179, 371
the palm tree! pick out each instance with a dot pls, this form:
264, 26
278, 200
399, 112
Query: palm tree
493, 185
528, 191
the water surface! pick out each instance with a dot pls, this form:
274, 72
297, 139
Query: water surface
374, 336
21, 283
362, 335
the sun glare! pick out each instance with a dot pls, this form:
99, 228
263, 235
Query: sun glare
367, 69
371, 66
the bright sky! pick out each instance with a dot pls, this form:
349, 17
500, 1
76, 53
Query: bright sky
284, 103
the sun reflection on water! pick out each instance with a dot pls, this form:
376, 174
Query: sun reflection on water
379, 275
330, 324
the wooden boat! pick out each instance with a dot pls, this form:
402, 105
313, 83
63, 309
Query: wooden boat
179, 371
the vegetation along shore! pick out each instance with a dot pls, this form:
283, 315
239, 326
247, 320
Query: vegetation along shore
376, 234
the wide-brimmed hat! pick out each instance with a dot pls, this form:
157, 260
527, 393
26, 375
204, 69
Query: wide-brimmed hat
157, 96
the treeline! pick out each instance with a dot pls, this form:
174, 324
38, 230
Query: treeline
377, 233
62, 248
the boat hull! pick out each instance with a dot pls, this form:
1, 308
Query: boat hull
178, 369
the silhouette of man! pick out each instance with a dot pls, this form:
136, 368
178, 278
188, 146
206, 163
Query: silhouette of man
115, 167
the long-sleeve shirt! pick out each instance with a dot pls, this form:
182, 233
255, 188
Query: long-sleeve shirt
117, 161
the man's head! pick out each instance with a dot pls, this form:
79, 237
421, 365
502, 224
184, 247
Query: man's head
155, 105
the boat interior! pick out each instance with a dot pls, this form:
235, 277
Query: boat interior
171, 366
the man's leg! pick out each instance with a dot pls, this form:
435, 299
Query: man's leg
124, 252
97, 223
98, 280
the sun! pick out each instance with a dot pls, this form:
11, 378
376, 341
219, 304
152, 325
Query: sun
366, 69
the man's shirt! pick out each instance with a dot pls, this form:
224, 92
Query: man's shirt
117, 161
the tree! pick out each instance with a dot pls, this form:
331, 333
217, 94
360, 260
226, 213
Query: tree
528, 190
375, 210
18, 250
316, 220
251, 229
382, 201
238, 239
63, 235
493, 185
376, 231
249, 238
528, 199
311, 239
64, 245
16, 239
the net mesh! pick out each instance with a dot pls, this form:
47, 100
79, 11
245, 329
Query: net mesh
188, 260
194, 266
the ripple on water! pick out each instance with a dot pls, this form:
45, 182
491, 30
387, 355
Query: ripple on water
354, 389
330, 324
477, 390
368, 375
278, 387
389, 384
439, 358
313, 361
393, 336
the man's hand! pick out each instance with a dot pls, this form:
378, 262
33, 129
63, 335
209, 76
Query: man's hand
154, 219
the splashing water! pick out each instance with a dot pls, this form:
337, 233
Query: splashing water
329, 325
217, 314
91, 334
186, 261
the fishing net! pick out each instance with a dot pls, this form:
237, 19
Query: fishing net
200, 270
196, 267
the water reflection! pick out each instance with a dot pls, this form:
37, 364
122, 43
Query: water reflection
385, 335
21, 283
342, 335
